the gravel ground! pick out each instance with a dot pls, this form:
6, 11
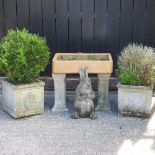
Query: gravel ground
56, 133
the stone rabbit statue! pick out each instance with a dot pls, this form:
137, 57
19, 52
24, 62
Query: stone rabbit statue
84, 105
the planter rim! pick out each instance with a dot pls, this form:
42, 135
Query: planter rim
73, 66
37, 83
133, 87
83, 54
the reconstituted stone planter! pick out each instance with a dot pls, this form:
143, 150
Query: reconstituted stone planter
70, 63
135, 100
23, 100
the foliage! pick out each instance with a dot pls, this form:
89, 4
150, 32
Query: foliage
135, 65
23, 56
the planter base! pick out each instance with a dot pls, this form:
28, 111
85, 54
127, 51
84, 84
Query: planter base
131, 114
23, 100
135, 101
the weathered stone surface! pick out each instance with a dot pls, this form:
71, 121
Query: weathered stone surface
56, 133
23, 100
103, 92
71, 66
60, 92
135, 100
84, 104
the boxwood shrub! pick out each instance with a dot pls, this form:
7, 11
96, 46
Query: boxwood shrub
135, 65
23, 56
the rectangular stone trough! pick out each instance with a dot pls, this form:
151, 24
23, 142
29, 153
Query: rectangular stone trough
70, 63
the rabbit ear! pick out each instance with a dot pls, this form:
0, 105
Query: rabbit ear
81, 73
86, 72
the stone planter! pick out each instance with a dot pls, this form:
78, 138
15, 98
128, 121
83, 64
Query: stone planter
135, 100
23, 100
97, 63
70, 63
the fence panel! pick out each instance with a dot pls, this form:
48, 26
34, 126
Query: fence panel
75, 27
2, 30
10, 14
62, 25
82, 25
36, 16
126, 23
139, 21
49, 27
101, 12
113, 35
23, 14
150, 22
88, 25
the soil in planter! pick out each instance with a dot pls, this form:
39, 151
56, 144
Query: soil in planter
83, 57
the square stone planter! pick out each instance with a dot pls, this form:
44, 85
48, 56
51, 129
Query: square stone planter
23, 100
135, 100
71, 63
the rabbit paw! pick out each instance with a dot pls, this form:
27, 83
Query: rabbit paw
75, 115
93, 115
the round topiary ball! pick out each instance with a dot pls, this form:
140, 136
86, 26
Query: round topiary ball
23, 56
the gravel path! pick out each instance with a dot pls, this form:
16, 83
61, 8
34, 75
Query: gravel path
56, 133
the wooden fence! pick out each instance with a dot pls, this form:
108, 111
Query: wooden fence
83, 25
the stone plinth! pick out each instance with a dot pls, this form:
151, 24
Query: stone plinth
103, 92
60, 92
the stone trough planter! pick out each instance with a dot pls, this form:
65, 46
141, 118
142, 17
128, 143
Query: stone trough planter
23, 100
135, 100
70, 63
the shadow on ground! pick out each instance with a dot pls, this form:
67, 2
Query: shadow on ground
49, 100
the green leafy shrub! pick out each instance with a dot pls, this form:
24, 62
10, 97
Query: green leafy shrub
135, 65
23, 56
